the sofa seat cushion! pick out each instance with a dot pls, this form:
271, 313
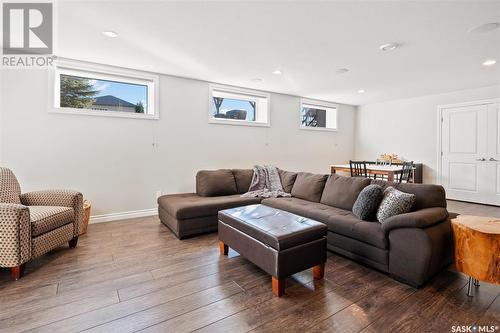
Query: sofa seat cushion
47, 218
190, 205
351, 226
312, 210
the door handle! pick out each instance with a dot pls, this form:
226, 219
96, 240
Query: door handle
493, 159
481, 159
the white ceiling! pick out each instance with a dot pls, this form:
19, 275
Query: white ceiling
233, 42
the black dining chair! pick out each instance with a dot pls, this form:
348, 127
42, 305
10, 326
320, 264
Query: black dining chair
358, 169
384, 163
406, 174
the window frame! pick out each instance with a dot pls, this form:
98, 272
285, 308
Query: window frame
243, 92
103, 72
324, 104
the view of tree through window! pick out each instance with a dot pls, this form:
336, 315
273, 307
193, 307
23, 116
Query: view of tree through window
318, 116
229, 108
103, 95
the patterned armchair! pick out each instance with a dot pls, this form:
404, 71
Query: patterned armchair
34, 223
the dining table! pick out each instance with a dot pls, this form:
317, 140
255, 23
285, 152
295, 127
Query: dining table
373, 169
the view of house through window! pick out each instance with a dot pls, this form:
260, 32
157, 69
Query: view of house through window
230, 108
104, 95
318, 116
240, 106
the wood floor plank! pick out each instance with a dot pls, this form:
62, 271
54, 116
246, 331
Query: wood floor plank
174, 308
300, 288
261, 294
419, 307
460, 308
361, 313
27, 321
116, 311
491, 317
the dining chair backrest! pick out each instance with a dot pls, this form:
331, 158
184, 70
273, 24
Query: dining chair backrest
406, 173
383, 162
358, 169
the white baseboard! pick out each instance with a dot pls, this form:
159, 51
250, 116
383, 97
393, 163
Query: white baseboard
123, 215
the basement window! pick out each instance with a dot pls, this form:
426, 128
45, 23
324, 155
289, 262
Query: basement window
317, 115
237, 106
104, 91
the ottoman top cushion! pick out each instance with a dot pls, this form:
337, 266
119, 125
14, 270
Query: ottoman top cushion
276, 228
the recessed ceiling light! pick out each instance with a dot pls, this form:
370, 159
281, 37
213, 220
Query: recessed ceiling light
361, 91
484, 28
110, 33
489, 62
257, 79
389, 46
277, 72
342, 70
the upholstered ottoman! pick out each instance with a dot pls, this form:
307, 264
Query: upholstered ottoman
279, 242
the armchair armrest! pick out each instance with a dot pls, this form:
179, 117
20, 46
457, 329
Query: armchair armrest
422, 218
65, 198
15, 235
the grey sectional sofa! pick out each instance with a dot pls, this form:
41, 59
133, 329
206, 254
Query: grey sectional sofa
410, 247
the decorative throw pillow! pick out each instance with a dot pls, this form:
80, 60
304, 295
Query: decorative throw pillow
366, 205
394, 203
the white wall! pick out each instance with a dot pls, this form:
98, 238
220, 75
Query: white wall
409, 127
119, 163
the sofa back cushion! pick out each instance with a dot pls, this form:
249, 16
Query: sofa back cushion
309, 186
287, 179
426, 195
342, 192
243, 178
211, 183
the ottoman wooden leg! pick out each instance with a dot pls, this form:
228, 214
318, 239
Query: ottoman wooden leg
278, 287
223, 248
319, 271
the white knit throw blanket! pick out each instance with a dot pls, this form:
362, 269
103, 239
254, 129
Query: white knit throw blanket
265, 183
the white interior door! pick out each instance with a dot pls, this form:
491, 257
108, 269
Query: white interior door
493, 154
464, 163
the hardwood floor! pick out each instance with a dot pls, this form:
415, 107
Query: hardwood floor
134, 275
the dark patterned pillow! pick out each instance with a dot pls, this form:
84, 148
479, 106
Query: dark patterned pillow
394, 203
366, 205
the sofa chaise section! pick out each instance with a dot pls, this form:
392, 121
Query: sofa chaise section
189, 214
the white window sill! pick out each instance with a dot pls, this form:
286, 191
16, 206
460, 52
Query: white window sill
321, 129
238, 123
115, 114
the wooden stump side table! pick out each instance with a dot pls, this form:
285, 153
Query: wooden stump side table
477, 248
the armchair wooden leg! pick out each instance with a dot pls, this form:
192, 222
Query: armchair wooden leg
72, 243
17, 272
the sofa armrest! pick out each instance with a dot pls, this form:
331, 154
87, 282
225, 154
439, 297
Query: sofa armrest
15, 235
422, 218
65, 198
